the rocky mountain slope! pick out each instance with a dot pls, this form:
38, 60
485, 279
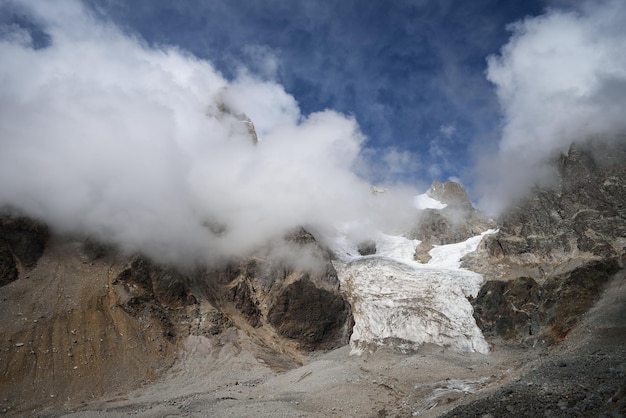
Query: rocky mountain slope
555, 251
81, 320
453, 219
90, 331
583, 217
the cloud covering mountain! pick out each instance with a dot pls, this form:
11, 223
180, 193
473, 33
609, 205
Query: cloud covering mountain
145, 147
561, 78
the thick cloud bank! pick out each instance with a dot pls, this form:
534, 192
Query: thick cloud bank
561, 78
147, 147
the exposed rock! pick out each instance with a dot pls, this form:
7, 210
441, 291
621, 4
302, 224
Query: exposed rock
457, 222
241, 118
22, 243
275, 294
154, 293
422, 252
367, 247
450, 193
585, 376
566, 297
508, 309
246, 302
87, 320
521, 310
582, 218
8, 268
313, 316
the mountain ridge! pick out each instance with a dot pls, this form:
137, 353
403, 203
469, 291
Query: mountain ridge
85, 321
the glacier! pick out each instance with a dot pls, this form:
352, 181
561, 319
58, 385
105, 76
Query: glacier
399, 302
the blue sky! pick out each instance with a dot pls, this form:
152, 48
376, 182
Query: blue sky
412, 72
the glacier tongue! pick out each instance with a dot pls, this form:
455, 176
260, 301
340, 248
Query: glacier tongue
401, 303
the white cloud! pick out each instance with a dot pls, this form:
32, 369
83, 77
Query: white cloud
556, 80
447, 130
104, 135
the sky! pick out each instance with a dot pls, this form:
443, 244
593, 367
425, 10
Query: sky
411, 71
128, 119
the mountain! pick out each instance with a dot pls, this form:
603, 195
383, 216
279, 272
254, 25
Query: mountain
462, 315
447, 216
81, 320
556, 250
581, 218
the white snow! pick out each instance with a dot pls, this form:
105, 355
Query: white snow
423, 201
400, 302
449, 256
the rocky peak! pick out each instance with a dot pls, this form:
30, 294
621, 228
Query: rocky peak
457, 222
450, 193
241, 118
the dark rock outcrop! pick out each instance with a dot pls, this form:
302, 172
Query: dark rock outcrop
155, 294
281, 294
8, 268
22, 242
422, 252
509, 310
367, 247
314, 316
555, 250
267, 295
523, 311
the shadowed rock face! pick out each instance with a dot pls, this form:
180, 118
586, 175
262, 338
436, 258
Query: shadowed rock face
273, 295
521, 310
22, 243
266, 295
314, 316
555, 250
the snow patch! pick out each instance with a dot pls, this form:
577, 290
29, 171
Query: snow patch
423, 201
449, 256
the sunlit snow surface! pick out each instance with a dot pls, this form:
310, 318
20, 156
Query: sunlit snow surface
399, 302
423, 201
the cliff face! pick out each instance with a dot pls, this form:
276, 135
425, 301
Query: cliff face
553, 231
555, 250
268, 295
